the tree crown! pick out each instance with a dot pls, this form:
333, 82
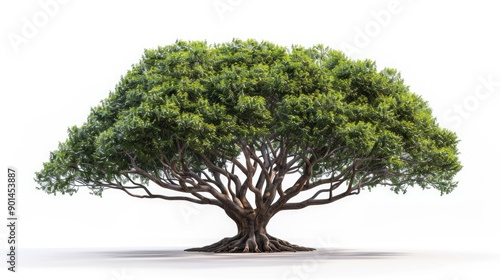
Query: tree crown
189, 115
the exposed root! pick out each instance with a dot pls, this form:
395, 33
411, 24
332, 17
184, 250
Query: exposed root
254, 243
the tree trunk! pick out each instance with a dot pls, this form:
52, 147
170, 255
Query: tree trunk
252, 237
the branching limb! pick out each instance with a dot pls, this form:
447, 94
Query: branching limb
127, 189
303, 204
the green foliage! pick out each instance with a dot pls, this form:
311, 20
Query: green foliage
191, 99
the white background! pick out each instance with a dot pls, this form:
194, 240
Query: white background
60, 59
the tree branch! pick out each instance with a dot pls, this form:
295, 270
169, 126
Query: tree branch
150, 195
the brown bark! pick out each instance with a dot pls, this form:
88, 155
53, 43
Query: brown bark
252, 237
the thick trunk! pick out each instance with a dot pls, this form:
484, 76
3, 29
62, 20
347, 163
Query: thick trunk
252, 237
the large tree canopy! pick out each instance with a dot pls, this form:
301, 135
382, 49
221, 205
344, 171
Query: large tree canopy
254, 128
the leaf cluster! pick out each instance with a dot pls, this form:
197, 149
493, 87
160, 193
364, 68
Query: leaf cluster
191, 98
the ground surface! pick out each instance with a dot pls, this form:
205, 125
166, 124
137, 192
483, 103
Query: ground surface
144, 263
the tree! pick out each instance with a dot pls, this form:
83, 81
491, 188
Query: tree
255, 129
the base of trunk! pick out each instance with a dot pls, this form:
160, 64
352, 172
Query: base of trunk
255, 243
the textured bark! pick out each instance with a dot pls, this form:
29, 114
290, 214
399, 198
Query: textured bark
252, 237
